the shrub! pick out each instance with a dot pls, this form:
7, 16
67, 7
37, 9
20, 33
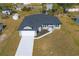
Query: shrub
5, 16
26, 9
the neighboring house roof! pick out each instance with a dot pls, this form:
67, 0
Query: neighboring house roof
77, 20
37, 20
15, 16
6, 9
1, 27
72, 9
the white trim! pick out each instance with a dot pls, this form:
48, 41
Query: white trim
57, 27
27, 33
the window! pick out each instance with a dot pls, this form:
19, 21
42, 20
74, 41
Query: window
56, 25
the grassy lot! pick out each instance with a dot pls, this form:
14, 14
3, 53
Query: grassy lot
8, 46
61, 42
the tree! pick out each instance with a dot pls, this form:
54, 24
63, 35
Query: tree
43, 7
0, 9
8, 5
26, 9
67, 5
57, 9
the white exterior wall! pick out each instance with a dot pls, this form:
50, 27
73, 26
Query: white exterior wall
39, 29
57, 27
15, 16
50, 28
44, 27
18, 8
35, 33
72, 9
6, 12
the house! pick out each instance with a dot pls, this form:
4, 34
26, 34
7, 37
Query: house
19, 7
6, 11
49, 6
46, 7
15, 16
29, 29
39, 22
72, 9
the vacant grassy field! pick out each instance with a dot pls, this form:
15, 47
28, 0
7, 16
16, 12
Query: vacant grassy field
61, 42
9, 45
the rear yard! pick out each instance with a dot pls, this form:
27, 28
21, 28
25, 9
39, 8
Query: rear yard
61, 42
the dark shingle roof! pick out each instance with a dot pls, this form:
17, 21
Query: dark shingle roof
6, 9
37, 20
77, 20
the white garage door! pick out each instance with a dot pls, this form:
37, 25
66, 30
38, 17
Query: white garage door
28, 33
25, 47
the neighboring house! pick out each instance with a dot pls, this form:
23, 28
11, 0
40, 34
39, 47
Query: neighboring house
46, 7
7, 11
39, 22
19, 7
15, 16
72, 9
49, 6
1, 27
76, 20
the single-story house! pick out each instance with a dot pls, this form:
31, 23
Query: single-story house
7, 11
72, 9
15, 16
29, 29
19, 7
49, 6
39, 22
